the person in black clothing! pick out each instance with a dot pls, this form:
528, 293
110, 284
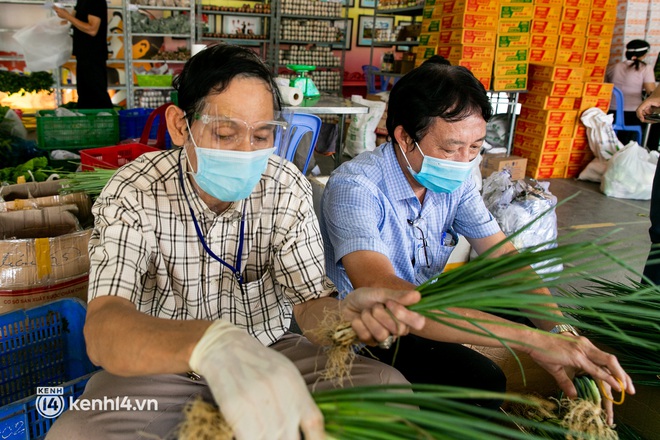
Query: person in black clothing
90, 46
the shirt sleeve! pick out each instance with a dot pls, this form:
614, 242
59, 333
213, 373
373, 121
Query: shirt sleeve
649, 74
97, 8
353, 217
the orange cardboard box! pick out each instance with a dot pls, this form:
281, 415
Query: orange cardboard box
557, 88
604, 30
478, 67
550, 117
570, 13
584, 4
579, 157
543, 144
469, 20
485, 81
586, 102
436, 13
509, 83
605, 16
466, 52
547, 12
579, 130
510, 55
545, 102
513, 40
506, 26
571, 42
431, 26
580, 144
554, 172
424, 52
518, 11
549, 72
537, 129
569, 57
573, 171
543, 41
516, 2
545, 27
604, 4
598, 58
428, 39
537, 158
542, 55
467, 36
502, 70
575, 28
595, 73
549, 2
597, 44
598, 90
457, 6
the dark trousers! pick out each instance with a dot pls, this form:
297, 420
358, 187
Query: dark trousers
652, 271
630, 118
92, 83
425, 361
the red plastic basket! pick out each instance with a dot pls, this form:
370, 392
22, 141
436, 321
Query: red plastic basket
112, 157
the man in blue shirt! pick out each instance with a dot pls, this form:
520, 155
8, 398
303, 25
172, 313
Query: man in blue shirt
390, 218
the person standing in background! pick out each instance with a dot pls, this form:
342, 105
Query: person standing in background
90, 47
633, 76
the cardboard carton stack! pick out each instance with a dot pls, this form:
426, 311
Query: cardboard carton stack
511, 64
428, 38
570, 44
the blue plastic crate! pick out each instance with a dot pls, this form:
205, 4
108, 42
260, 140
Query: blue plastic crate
132, 122
21, 420
42, 346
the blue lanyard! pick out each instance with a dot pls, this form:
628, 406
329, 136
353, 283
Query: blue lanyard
236, 270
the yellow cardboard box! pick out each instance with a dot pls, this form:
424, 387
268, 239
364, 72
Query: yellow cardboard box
583, 4
557, 88
485, 81
586, 102
542, 56
576, 28
543, 41
580, 144
549, 117
580, 157
484, 37
424, 52
466, 52
509, 55
509, 2
506, 26
537, 129
596, 58
598, 90
549, 72
545, 102
543, 144
518, 68
471, 20
553, 172
572, 57
545, 27
571, 42
602, 15
579, 130
604, 4
520, 11
513, 40
537, 158
547, 12
509, 83
594, 73
549, 2
480, 6
429, 39
570, 13
604, 30
597, 44
427, 12
430, 25
478, 67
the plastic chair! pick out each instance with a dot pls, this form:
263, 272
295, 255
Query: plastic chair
301, 124
619, 124
370, 77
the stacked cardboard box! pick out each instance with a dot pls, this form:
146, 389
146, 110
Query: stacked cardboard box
511, 64
428, 38
467, 35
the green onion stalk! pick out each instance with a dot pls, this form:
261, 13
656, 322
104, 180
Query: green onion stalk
92, 182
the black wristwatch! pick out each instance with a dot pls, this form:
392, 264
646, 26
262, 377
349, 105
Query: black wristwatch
564, 328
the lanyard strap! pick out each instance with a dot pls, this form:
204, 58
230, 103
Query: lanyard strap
236, 270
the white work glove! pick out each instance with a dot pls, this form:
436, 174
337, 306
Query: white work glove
260, 392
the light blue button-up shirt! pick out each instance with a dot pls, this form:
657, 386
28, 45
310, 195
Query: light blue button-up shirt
369, 205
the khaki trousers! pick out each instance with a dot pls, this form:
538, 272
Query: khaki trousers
173, 391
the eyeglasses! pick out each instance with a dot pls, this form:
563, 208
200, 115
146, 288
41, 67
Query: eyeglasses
421, 250
226, 133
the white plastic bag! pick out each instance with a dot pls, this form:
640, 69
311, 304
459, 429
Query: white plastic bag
630, 173
602, 142
46, 45
13, 125
361, 133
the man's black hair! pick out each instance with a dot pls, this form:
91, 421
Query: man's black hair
212, 69
435, 90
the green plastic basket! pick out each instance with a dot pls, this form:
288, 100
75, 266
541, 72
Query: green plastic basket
93, 128
154, 80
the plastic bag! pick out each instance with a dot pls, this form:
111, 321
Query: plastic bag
46, 45
630, 173
602, 142
516, 203
361, 133
12, 125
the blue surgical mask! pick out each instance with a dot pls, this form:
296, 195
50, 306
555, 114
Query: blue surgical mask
229, 175
440, 175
